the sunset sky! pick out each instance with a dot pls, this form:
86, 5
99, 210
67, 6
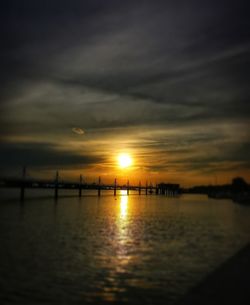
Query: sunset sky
166, 82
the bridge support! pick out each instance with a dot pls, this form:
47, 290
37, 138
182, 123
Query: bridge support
128, 187
140, 188
115, 187
99, 187
22, 193
56, 185
168, 189
80, 186
150, 188
156, 190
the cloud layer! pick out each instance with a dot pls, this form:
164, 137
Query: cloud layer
166, 80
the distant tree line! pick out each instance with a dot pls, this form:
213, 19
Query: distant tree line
238, 190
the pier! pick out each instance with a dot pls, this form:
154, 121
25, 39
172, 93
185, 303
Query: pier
58, 184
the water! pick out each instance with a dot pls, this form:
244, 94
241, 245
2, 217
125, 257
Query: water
123, 250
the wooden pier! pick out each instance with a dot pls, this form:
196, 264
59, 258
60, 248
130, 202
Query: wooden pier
25, 183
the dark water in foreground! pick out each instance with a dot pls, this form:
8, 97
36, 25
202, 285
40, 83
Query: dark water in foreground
128, 250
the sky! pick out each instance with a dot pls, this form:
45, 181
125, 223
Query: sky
165, 81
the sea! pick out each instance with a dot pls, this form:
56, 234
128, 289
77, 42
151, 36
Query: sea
121, 249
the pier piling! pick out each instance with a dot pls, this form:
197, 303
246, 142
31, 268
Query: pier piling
56, 185
99, 187
80, 186
23, 184
156, 190
115, 187
128, 187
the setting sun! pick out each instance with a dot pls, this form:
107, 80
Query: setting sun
124, 160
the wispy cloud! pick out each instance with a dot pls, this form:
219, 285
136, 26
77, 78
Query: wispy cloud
166, 79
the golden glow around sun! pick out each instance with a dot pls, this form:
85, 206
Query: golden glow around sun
124, 160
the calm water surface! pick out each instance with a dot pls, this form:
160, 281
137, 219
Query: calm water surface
123, 250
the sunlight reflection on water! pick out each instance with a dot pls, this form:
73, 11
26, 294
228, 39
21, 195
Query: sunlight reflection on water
124, 249
123, 204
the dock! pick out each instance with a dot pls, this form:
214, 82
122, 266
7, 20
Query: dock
57, 184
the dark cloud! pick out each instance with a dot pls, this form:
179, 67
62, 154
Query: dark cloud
229, 156
42, 155
115, 66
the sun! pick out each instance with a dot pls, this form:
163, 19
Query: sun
124, 160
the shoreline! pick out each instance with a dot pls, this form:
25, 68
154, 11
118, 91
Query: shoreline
228, 284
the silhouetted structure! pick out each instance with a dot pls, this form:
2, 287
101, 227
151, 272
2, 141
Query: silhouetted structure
115, 186
80, 186
238, 191
239, 185
57, 184
168, 189
99, 187
23, 184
